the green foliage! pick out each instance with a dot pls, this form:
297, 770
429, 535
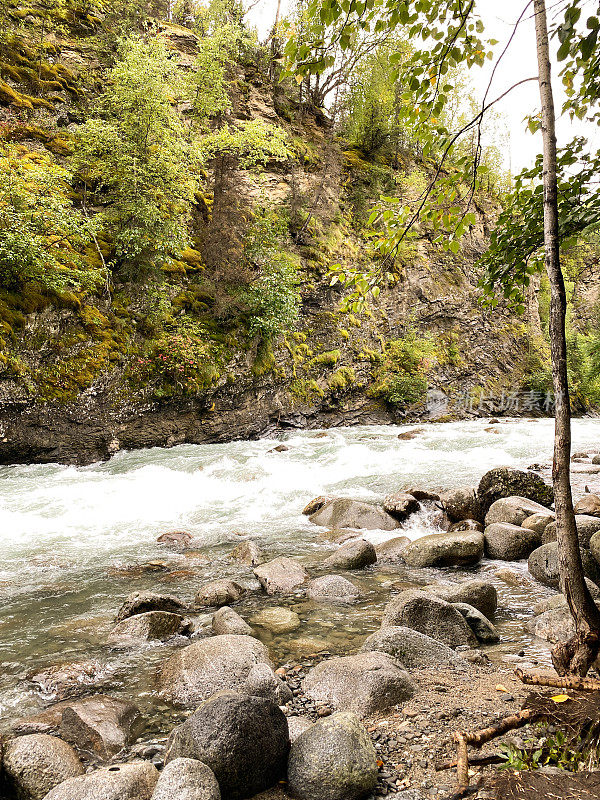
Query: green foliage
272, 300
137, 160
401, 378
251, 143
551, 748
328, 359
342, 379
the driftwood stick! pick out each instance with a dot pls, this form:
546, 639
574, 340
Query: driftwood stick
462, 760
475, 760
564, 682
481, 737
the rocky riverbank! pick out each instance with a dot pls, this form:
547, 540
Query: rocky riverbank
365, 717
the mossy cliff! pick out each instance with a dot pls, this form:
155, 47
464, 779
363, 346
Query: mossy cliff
176, 357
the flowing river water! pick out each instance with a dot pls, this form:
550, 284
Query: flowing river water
75, 541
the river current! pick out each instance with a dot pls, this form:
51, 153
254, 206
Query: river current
75, 541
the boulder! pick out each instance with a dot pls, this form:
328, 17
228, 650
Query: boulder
480, 594
510, 542
513, 510
401, 505
587, 526
333, 760
141, 602
391, 552
345, 513
554, 625
338, 535
187, 779
243, 739
333, 589
152, 626
226, 620
460, 504
589, 504
297, 725
543, 565
222, 592
37, 763
176, 540
134, 781
478, 622
263, 682
595, 548
509, 482
355, 554
445, 550
196, 672
466, 525
101, 725
413, 649
539, 522
363, 683
248, 553
422, 494
317, 504
429, 615
72, 679
276, 619
281, 575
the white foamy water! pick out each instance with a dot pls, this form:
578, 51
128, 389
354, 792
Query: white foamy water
68, 535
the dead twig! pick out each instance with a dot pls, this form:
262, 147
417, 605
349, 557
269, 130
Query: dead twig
564, 682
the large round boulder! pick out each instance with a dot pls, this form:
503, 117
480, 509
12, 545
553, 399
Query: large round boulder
151, 626
510, 542
187, 779
281, 575
543, 565
461, 504
141, 602
227, 621
587, 526
392, 550
509, 482
429, 615
134, 781
355, 554
413, 649
445, 550
37, 763
243, 739
333, 589
538, 522
364, 683
401, 505
554, 625
334, 759
101, 725
589, 504
196, 672
277, 619
513, 510
478, 593
345, 513
483, 629
217, 593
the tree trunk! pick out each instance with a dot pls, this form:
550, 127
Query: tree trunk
577, 655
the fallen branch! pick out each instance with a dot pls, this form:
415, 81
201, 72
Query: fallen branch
564, 682
474, 761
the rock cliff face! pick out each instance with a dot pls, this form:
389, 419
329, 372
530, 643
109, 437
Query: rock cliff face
71, 390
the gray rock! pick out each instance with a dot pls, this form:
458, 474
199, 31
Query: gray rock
345, 513
226, 620
297, 725
141, 602
589, 505
509, 482
392, 551
148, 627
219, 593
364, 683
187, 779
539, 522
243, 739
483, 629
543, 565
176, 540
333, 589
316, 504
429, 615
413, 649
37, 763
461, 504
554, 625
510, 542
196, 672
466, 525
71, 679
277, 619
281, 575
333, 760
134, 781
513, 510
478, 593
401, 505
587, 526
248, 553
595, 548
445, 550
355, 554
338, 535
101, 725
262, 682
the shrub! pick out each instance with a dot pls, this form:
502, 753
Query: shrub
401, 379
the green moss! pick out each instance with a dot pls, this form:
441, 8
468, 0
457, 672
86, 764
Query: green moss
328, 358
342, 379
264, 361
306, 390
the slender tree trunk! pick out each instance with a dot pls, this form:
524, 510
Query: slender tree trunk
577, 655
